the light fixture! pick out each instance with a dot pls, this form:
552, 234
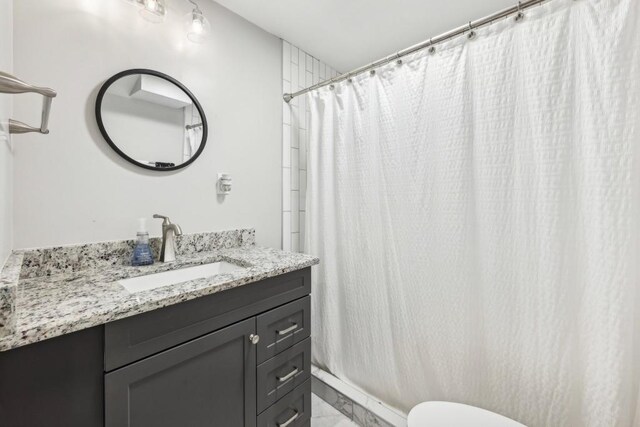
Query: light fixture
196, 25
153, 10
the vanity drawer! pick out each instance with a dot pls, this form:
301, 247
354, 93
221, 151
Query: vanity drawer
137, 337
293, 410
283, 327
281, 374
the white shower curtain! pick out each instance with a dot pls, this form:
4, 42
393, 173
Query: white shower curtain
476, 215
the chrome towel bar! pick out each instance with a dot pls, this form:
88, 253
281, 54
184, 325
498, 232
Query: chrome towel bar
13, 85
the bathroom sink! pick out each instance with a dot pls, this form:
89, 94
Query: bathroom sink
157, 280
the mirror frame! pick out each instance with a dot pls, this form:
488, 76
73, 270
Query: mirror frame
168, 78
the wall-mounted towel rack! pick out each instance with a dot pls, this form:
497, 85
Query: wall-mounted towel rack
13, 85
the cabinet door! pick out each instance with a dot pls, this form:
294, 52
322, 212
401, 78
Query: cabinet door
210, 381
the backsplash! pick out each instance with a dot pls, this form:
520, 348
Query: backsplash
66, 259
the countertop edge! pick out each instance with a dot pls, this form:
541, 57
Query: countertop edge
30, 336
9, 278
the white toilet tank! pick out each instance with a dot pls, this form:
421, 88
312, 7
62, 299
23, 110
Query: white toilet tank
448, 414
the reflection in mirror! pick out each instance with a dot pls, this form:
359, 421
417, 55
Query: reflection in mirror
152, 121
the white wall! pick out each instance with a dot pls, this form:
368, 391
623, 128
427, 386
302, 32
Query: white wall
70, 187
6, 155
299, 70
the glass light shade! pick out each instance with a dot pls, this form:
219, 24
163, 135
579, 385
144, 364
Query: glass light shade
197, 26
153, 10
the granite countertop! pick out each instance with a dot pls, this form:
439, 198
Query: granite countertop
52, 298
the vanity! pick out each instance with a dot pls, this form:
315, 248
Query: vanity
94, 343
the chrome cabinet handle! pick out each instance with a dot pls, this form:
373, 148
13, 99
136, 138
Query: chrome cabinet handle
290, 420
288, 376
289, 329
254, 338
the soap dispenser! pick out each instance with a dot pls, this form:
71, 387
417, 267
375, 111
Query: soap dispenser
142, 251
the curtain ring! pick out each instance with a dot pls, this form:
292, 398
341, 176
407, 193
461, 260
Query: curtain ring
472, 34
519, 16
432, 48
398, 60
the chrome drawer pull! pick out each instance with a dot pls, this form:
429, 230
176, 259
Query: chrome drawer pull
290, 420
289, 329
288, 376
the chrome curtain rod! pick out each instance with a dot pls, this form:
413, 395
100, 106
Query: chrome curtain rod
468, 28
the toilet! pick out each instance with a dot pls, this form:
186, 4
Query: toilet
449, 414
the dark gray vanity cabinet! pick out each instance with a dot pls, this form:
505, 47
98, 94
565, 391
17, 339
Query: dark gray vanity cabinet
54, 383
197, 363
238, 358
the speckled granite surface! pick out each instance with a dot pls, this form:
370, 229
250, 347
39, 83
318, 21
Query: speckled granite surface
9, 277
60, 298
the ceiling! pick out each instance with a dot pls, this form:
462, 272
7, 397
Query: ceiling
349, 33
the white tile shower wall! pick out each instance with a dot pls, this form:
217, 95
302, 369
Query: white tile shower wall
299, 70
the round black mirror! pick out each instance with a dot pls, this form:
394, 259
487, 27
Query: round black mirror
151, 120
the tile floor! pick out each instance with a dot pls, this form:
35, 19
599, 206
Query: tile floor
325, 415
355, 412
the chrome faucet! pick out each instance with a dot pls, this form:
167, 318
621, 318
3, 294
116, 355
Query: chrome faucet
169, 233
